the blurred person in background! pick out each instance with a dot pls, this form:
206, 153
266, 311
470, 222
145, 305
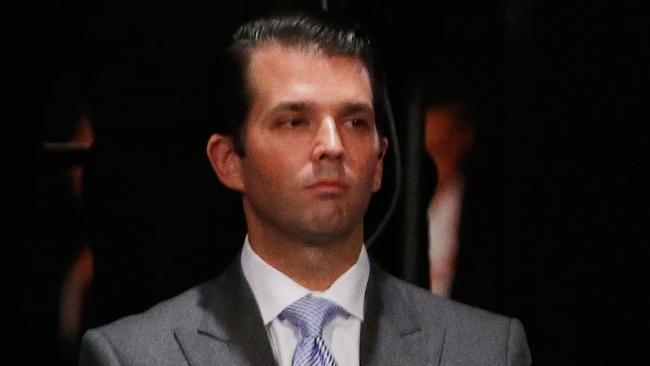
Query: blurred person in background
448, 136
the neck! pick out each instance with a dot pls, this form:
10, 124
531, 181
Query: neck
314, 266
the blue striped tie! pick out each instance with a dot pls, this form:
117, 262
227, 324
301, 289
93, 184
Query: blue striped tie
309, 315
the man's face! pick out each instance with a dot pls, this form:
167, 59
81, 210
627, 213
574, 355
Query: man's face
313, 155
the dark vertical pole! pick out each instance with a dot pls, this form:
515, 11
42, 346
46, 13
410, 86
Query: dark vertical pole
412, 192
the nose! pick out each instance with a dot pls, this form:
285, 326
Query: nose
328, 141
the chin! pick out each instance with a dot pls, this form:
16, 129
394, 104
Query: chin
323, 238
327, 229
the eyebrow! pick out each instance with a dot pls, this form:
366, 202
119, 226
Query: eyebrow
346, 109
289, 107
354, 108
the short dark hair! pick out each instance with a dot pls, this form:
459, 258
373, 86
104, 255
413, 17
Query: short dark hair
318, 32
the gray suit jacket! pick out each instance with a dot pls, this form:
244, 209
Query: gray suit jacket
218, 323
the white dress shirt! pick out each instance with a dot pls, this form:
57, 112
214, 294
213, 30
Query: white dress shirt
274, 291
444, 214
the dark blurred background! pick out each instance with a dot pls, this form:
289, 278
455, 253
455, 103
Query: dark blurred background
117, 207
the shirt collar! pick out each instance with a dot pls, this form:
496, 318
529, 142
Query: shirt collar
274, 291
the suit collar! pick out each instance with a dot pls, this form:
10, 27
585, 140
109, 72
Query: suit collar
390, 333
231, 330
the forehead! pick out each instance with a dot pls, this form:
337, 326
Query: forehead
279, 73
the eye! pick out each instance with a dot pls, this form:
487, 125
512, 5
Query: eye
296, 122
358, 123
292, 123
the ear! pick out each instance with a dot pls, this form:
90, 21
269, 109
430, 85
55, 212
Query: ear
225, 161
379, 168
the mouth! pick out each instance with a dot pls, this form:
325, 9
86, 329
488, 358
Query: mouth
328, 187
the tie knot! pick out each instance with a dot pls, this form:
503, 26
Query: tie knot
310, 314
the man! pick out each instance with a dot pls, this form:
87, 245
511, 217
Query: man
306, 157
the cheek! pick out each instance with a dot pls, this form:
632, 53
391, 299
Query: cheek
367, 168
271, 166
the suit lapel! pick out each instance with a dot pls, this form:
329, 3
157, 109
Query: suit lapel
390, 334
231, 331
